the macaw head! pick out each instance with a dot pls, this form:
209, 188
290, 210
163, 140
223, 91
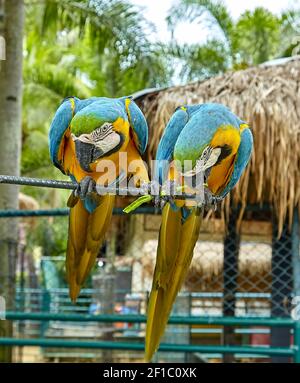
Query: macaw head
98, 130
99, 127
211, 135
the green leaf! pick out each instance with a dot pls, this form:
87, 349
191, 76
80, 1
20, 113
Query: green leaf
137, 203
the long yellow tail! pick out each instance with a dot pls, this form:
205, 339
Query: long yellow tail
86, 234
177, 240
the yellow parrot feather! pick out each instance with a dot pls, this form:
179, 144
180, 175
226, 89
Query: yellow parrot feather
86, 233
97, 227
174, 255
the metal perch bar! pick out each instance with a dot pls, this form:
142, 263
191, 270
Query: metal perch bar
68, 185
9, 213
14, 180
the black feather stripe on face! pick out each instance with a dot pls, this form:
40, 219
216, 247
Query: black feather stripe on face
102, 132
226, 150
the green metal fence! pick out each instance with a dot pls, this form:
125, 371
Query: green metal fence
237, 302
293, 351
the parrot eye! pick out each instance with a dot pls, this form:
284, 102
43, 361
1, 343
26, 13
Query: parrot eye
104, 128
102, 132
206, 153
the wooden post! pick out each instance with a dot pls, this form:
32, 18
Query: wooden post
295, 253
230, 274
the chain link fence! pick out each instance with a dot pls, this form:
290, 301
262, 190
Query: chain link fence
246, 274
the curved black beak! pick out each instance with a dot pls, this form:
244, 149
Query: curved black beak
86, 154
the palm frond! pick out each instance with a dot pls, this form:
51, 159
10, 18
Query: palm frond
213, 12
200, 61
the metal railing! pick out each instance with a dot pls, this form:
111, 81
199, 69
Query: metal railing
293, 351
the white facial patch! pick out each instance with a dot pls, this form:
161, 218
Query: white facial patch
208, 159
102, 132
96, 135
212, 159
109, 142
104, 138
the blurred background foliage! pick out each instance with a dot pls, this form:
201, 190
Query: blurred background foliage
255, 37
105, 48
50, 234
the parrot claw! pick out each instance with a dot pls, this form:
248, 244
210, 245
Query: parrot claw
161, 202
211, 201
167, 193
145, 187
170, 188
154, 189
85, 187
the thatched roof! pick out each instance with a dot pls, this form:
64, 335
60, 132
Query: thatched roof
268, 98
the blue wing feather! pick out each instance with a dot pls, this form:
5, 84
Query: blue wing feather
59, 125
139, 125
167, 143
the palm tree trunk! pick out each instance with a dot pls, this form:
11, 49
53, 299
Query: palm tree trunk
10, 142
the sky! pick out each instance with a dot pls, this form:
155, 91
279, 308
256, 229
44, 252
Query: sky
156, 11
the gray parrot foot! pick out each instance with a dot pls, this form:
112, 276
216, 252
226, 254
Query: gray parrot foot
86, 187
211, 201
170, 188
145, 187
167, 193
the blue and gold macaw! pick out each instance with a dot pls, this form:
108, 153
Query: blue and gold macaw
205, 138
86, 137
